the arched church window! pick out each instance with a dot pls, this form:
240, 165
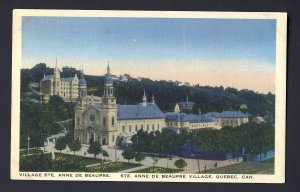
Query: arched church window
78, 120
104, 121
92, 117
113, 138
113, 121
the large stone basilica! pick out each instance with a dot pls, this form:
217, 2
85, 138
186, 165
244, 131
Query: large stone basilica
106, 121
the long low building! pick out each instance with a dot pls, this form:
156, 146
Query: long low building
229, 118
190, 122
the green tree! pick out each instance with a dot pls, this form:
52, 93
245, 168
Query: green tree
180, 163
60, 144
155, 161
37, 163
75, 146
128, 154
139, 157
56, 101
59, 107
94, 148
105, 153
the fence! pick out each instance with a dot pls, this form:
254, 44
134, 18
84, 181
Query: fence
260, 157
188, 150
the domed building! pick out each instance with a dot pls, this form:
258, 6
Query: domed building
258, 120
107, 121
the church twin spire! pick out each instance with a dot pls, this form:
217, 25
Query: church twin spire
144, 100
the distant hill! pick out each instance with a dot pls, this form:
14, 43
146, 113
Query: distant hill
167, 93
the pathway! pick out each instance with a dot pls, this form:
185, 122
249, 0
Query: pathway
133, 169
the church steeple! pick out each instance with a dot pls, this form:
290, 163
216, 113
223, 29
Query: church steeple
108, 68
82, 73
108, 84
176, 108
56, 87
144, 101
82, 85
153, 100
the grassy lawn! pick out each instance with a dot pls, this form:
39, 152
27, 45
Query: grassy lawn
31, 151
112, 167
78, 159
69, 163
244, 168
157, 170
268, 161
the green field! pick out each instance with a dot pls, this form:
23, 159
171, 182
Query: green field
31, 151
157, 170
78, 159
268, 161
244, 168
69, 163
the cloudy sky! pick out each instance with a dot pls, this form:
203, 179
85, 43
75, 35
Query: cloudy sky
237, 53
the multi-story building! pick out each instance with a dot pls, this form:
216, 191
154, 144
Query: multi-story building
66, 88
229, 118
177, 121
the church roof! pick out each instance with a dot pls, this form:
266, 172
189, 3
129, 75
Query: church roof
68, 79
108, 79
47, 78
96, 106
172, 116
149, 111
82, 81
227, 114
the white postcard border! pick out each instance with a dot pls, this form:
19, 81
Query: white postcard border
280, 99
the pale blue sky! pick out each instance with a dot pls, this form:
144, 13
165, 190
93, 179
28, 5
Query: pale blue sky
207, 45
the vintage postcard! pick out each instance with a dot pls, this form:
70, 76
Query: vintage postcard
148, 96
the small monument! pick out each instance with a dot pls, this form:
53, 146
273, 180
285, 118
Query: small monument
53, 154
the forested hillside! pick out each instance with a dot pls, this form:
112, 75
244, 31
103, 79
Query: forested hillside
167, 93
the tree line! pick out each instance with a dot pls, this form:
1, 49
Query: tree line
252, 138
39, 120
162, 142
167, 93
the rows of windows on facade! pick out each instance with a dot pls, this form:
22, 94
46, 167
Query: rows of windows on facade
102, 119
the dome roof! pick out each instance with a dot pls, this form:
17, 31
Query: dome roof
108, 79
82, 81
